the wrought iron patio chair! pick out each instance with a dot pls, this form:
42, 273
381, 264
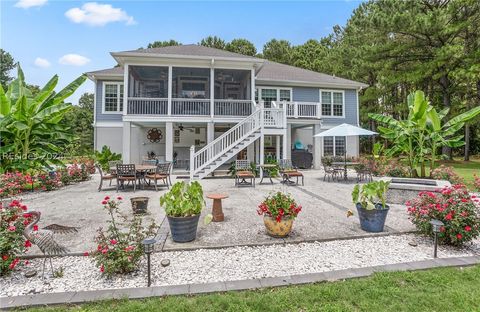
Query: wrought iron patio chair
288, 171
243, 172
162, 172
113, 164
329, 172
126, 173
103, 177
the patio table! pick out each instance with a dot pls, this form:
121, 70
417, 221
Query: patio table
345, 165
265, 171
141, 170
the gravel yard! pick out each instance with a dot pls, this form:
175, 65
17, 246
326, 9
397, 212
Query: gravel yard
235, 263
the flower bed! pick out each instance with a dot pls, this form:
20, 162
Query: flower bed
13, 221
454, 207
447, 173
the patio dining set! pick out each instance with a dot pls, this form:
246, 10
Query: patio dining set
148, 173
245, 174
338, 171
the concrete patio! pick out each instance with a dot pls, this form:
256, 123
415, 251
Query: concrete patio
323, 216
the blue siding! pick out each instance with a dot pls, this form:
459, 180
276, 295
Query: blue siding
99, 104
305, 94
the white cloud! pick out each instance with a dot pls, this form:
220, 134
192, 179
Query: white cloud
25, 4
41, 62
96, 14
73, 59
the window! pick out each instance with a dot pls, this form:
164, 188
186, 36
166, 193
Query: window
339, 146
328, 146
334, 146
268, 95
113, 97
285, 95
332, 103
191, 83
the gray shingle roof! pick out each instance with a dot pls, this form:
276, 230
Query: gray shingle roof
115, 71
271, 71
191, 50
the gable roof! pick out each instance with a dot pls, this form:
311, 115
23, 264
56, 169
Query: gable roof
187, 50
276, 72
109, 72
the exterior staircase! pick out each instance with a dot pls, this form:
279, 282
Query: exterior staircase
213, 155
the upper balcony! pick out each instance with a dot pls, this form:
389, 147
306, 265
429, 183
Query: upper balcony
185, 91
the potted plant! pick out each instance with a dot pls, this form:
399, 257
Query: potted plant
183, 205
279, 210
371, 207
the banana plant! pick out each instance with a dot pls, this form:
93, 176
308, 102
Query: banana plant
30, 129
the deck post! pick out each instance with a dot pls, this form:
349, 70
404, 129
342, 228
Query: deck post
277, 146
125, 90
212, 90
317, 147
170, 85
191, 164
169, 141
126, 142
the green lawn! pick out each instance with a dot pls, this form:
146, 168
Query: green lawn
447, 289
464, 169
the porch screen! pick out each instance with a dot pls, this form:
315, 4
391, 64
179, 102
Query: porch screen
148, 82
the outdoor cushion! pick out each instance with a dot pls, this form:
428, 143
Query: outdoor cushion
156, 176
294, 173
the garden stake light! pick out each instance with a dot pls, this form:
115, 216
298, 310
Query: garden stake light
436, 225
148, 245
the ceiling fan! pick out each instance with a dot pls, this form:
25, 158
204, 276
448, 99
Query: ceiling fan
182, 128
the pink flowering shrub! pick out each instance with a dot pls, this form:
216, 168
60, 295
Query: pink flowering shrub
48, 182
119, 248
446, 173
13, 183
383, 167
476, 182
13, 220
454, 207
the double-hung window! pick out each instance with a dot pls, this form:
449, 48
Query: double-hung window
334, 146
332, 103
113, 97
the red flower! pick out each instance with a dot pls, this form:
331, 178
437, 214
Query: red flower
104, 202
4, 257
459, 236
104, 251
35, 227
278, 218
12, 228
448, 217
107, 198
468, 228
99, 247
113, 241
464, 200
119, 198
281, 212
27, 244
86, 254
13, 264
24, 207
102, 269
26, 262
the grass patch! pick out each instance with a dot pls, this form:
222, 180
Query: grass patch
446, 289
465, 169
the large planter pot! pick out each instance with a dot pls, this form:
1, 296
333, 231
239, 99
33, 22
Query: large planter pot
372, 220
139, 205
278, 229
183, 229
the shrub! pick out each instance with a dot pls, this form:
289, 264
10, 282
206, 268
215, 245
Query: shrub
278, 206
446, 173
12, 184
13, 220
119, 251
183, 199
476, 182
454, 207
49, 181
105, 156
394, 168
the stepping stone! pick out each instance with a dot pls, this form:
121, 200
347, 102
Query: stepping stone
413, 244
165, 262
30, 273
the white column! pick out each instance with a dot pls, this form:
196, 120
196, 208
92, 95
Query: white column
257, 151
288, 145
126, 142
262, 149
170, 85
125, 89
277, 147
317, 147
251, 152
169, 141
252, 78
212, 90
210, 132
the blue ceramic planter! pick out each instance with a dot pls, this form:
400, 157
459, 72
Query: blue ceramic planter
372, 220
183, 229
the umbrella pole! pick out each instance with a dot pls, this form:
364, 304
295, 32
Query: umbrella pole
345, 160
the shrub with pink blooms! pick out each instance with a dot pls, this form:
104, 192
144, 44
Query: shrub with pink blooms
454, 206
119, 248
476, 182
446, 173
13, 220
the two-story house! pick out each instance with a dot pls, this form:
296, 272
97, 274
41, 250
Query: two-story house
202, 106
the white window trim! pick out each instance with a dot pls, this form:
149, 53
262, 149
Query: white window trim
334, 146
119, 85
260, 88
331, 102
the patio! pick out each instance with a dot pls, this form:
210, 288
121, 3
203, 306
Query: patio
323, 216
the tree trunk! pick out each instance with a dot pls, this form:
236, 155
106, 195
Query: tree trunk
445, 84
466, 155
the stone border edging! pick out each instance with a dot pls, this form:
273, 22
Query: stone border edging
78, 297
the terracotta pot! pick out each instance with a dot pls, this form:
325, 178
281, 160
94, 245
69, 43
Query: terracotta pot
278, 229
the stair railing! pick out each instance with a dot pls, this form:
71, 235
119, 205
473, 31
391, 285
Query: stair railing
222, 144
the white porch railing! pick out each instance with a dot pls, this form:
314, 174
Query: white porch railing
273, 117
196, 107
303, 109
233, 107
147, 106
235, 135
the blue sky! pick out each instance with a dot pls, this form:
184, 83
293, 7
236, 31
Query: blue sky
71, 37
